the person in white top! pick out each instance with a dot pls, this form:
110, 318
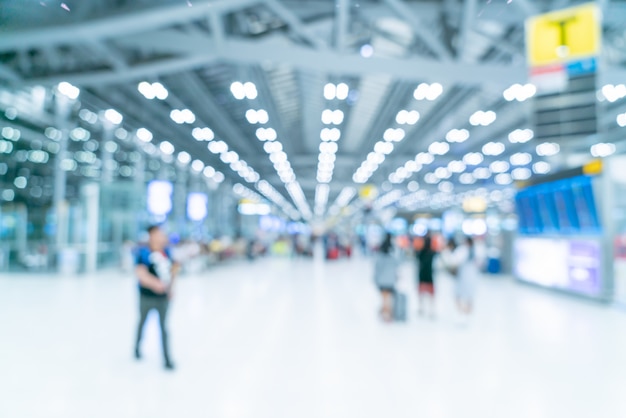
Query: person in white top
461, 261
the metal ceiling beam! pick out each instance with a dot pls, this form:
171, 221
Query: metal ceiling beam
109, 54
467, 18
342, 20
434, 43
279, 50
294, 23
527, 7
119, 25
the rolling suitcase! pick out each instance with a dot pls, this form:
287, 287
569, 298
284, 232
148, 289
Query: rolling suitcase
399, 307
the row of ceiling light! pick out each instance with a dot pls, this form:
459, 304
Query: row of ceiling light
328, 147
274, 148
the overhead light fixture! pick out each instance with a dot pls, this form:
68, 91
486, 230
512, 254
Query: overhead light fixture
166, 148
621, 120
203, 134
152, 90
113, 116
521, 158
242, 91
181, 116
332, 117
405, 117
499, 167
493, 148
602, 149
473, 158
521, 136
70, 91
614, 93
439, 148
144, 135
394, 135
548, 149
481, 118
457, 135
519, 92
521, 174
426, 91
541, 167
184, 157
424, 158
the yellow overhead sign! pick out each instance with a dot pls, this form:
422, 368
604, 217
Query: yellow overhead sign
564, 35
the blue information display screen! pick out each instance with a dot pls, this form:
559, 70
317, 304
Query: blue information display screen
561, 207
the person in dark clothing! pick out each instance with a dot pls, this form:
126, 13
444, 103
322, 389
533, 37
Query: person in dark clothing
426, 284
156, 274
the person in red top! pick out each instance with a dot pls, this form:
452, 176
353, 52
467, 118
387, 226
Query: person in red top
156, 273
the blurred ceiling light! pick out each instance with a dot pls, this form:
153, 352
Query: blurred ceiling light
503, 179
481, 118
144, 135
431, 178
614, 93
457, 135
342, 91
394, 135
181, 116
166, 148
405, 117
521, 158
521, 174
332, 117
428, 91
197, 165
467, 178
443, 173
621, 120
493, 148
602, 149
499, 167
424, 158
473, 158
113, 116
217, 147
519, 92
68, 90
203, 134
482, 173
541, 167
439, 148
151, 91
457, 166
184, 157
548, 149
383, 147
446, 187
521, 136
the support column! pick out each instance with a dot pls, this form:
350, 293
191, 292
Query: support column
61, 210
91, 195
180, 202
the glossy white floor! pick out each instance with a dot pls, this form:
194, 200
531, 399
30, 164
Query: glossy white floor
297, 339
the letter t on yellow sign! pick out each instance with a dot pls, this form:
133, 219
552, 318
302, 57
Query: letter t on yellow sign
565, 35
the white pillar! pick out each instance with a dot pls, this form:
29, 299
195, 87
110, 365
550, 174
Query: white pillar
91, 197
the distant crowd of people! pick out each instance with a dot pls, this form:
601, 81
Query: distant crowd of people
460, 260
156, 266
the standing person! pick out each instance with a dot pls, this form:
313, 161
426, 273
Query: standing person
385, 276
156, 274
462, 263
426, 284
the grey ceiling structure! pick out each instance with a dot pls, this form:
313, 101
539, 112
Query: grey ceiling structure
290, 49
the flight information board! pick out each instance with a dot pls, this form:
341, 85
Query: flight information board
564, 207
